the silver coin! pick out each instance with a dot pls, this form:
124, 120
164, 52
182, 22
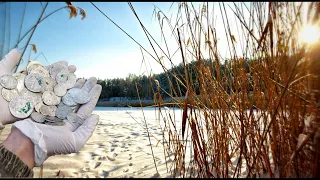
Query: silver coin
35, 98
81, 96
63, 110
8, 95
34, 82
55, 68
20, 80
60, 90
20, 107
50, 98
53, 119
72, 79
49, 84
68, 98
38, 106
41, 70
37, 117
8, 82
62, 77
48, 110
33, 64
55, 123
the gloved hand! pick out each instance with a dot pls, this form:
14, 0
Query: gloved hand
7, 65
69, 138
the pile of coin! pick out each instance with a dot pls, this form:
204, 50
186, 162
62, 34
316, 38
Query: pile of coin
45, 93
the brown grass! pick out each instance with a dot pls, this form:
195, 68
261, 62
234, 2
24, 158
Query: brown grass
244, 124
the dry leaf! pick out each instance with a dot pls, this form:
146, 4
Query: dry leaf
73, 11
188, 42
83, 13
34, 48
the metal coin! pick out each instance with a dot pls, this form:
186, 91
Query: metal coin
20, 80
55, 68
20, 107
48, 110
8, 95
81, 96
49, 84
37, 117
63, 110
62, 77
52, 119
33, 64
55, 123
38, 106
68, 98
72, 79
41, 70
35, 82
8, 82
50, 98
35, 98
60, 90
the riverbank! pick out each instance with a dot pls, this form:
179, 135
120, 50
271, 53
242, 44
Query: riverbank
169, 102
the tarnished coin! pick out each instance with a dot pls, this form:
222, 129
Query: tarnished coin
49, 84
72, 79
32, 65
63, 110
50, 98
60, 90
8, 95
41, 70
35, 82
8, 82
20, 107
35, 98
20, 81
55, 68
48, 110
38, 106
68, 98
75, 118
62, 77
37, 117
55, 123
81, 96
53, 119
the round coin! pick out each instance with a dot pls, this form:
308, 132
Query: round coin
81, 96
62, 77
8, 95
41, 70
54, 123
72, 79
50, 98
49, 84
68, 98
37, 117
63, 111
35, 82
20, 107
48, 110
38, 106
8, 82
53, 119
55, 68
60, 90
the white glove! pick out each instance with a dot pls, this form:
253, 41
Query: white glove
7, 64
70, 138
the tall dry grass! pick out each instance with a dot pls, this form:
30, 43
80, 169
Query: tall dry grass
261, 123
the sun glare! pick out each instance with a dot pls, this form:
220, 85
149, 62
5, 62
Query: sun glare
309, 34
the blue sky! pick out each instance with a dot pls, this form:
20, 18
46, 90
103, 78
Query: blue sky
96, 46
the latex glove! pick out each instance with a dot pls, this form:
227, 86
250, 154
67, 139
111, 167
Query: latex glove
69, 138
7, 64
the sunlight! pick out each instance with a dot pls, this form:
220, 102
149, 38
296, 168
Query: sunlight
309, 34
